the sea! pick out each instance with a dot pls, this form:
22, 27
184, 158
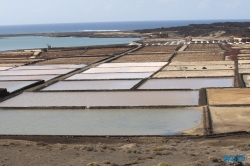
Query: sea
14, 43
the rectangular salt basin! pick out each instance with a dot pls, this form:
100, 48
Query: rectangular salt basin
203, 63
187, 83
246, 79
31, 77
48, 67
200, 67
99, 122
230, 119
241, 71
4, 68
12, 86
92, 85
117, 98
244, 66
146, 64
199, 73
229, 96
109, 76
35, 72
123, 70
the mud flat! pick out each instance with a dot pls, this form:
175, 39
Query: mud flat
100, 76
187, 74
199, 67
92, 85
228, 96
105, 99
144, 58
187, 83
102, 122
230, 119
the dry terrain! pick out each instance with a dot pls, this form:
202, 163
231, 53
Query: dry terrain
192, 57
133, 151
167, 48
203, 47
144, 58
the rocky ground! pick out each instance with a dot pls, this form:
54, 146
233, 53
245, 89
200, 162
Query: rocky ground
108, 151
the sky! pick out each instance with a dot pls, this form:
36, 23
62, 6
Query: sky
18, 12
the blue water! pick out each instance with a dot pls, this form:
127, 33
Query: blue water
30, 42
96, 26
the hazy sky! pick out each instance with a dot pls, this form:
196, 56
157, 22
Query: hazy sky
14, 12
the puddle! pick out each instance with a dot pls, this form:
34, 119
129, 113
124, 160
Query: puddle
110, 76
12, 86
118, 98
98, 122
93, 85
48, 67
188, 83
122, 70
4, 68
148, 64
35, 72
38, 77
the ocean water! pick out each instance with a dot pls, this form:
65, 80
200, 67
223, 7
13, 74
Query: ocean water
30, 42
97, 26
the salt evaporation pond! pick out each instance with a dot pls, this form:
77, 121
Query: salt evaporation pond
188, 83
92, 85
109, 76
105, 99
98, 122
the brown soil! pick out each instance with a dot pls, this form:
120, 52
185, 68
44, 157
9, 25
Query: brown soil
203, 47
228, 96
191, 57
144, 58
83, 52
16, 61
145, 151
106, 51
16, 54
230, 119
157, 49
75, 60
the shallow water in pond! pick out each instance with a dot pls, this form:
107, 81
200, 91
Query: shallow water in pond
92, 85
109, 98
31, 77
98, 122
109, 76
145, 64
35, 72
48, 67
12, 86
122, 70
188, 83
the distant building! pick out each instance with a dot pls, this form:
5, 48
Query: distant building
159, 35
